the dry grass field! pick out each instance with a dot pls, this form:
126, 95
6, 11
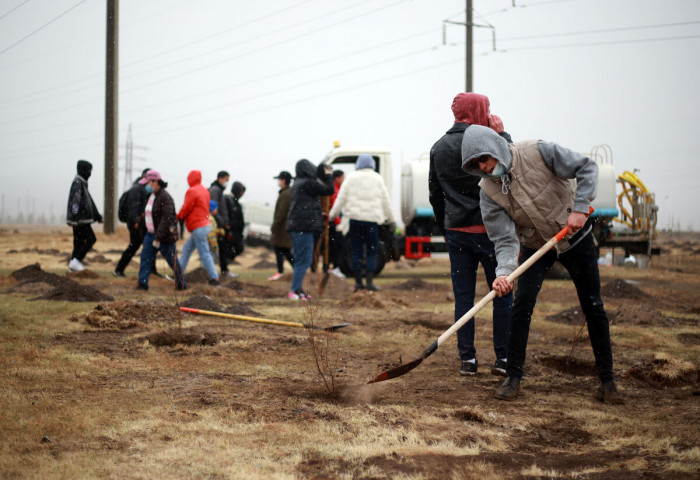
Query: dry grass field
132, 388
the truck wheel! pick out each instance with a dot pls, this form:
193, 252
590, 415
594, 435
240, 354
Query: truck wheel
346, 261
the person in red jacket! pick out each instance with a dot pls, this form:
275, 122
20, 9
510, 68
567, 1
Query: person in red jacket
195, 213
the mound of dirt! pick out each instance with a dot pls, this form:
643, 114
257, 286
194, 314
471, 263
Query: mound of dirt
689, 338
198, 275
34, 273
32, 288
64, 288
639, 314
572, 316
186, 336
665, 370
203, 302
569, 365
417, 284
621, 289
124, 314
263, 264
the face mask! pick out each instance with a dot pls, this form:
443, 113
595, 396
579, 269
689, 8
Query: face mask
149, 189
499, 171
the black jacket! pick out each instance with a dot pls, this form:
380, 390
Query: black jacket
136, 203
304, 205
164, 217
81, 208
216, 193
454, 194
235, 210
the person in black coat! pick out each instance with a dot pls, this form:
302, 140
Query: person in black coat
305, 218
80, 214
216, 192
236, 220
136, 198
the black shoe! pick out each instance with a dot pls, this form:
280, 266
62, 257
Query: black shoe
118, 274
141, 286
359, 286
214, 282
372, 287
509, 390
181, 287
607, 393
469, 368
499, 368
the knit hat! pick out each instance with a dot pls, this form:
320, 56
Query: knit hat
150, 175
365, 160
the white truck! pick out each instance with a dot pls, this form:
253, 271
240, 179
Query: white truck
421, 237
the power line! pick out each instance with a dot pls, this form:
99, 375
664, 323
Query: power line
12, 10
601, 30
42, 27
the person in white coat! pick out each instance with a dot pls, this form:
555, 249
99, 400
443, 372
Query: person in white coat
364, 200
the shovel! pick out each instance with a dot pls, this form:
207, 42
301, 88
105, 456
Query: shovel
262, 320
407, 367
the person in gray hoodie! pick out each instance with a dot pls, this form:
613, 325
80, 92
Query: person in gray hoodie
529, 191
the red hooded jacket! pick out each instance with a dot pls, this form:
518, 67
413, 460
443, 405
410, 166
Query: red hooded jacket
195, 210
471, 108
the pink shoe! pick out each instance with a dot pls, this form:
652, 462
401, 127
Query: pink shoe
293, 296
276, 276
304, 296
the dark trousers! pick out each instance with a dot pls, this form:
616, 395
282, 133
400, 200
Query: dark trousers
335, 245
236, 245
83, 240
135, 241
466, 251
582, 263
224, 251
280, 254
148, 255
364, 235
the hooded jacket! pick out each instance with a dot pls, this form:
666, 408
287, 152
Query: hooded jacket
542, 184
81, 209
304, 205
363, 195
216, 191
164, 217
235, 210
195, 209
454, 194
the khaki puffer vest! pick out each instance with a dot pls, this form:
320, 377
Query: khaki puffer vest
538, 201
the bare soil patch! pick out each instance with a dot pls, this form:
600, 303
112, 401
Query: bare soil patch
619, 288
185, 336
125, 314
569, 365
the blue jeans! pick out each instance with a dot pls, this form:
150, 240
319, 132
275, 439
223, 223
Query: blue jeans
364, 234
303, 254
198, 239
148, 255
582, 263
466, 251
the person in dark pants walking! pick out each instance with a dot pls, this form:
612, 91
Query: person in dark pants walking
80, 214
161, 231
236, 220
136, 198
454, 195
216, 193
530, 191
280, 239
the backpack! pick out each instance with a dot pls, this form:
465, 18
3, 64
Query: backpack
123, 209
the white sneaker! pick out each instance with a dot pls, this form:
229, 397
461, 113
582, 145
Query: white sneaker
336, 271
76, 266
230, 275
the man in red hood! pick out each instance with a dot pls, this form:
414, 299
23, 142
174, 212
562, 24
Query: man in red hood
454, 196
195, 213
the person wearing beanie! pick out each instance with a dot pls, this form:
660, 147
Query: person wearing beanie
305, 218
454, 195
135, 203
364, 201
195, 213
529, 192
236, 221
279, 238
161, 231
80, 214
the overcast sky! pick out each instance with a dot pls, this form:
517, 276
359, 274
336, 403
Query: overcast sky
252, 87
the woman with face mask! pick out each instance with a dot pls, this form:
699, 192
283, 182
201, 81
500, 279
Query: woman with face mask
161, 230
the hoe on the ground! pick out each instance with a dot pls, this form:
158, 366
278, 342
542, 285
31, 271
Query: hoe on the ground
407, 367
332, 328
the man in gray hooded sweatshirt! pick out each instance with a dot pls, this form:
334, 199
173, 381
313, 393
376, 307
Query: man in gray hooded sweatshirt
530, 190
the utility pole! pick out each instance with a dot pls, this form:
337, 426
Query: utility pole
111, 116
470, 48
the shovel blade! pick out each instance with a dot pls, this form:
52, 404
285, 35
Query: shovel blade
333, 328
397, 371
